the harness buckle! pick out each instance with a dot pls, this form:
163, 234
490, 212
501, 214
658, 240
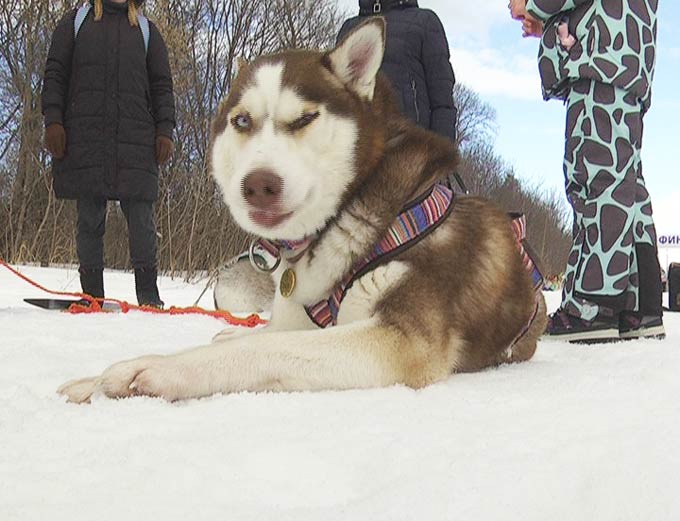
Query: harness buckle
377, 7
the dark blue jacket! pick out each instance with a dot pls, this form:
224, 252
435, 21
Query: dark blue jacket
416, 61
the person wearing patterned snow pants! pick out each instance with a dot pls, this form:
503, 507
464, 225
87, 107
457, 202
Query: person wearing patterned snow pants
599, 56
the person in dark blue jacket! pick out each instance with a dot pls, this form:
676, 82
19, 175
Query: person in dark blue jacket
416, 61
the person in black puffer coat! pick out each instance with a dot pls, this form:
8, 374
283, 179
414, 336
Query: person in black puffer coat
416, 62
109, 118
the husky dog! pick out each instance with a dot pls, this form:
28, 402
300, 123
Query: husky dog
312, 155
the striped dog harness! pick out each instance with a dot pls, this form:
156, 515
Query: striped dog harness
519, 227
414, 223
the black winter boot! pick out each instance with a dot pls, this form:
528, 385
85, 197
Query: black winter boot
651, 287
92, 282
146, 288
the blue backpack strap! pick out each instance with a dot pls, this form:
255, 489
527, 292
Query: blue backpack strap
84, 10
144, 27
81, 14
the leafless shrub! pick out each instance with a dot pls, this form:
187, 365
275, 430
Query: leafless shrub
476, 120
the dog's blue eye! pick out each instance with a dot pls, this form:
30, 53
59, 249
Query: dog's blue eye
241, 122
303, 121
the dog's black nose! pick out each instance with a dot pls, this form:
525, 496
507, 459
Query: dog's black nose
262, 188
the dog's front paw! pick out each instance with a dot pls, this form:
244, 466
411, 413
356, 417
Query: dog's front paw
79, 391
166, 379
116, 381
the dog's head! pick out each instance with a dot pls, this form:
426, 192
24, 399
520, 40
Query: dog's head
297, 133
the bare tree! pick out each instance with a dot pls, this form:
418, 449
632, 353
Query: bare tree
302, 25
547, 216
476, 119
24, 30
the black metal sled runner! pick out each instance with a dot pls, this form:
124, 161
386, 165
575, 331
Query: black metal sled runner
59, 304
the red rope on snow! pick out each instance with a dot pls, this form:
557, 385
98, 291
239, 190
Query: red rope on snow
95, 305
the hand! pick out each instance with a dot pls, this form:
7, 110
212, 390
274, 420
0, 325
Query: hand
566, 39
164, 149
55, 140
531, 27
518, 9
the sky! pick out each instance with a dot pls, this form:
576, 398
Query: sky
490, 56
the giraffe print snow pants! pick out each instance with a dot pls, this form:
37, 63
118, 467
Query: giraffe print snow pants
614, 236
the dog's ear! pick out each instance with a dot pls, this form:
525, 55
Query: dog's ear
357, 58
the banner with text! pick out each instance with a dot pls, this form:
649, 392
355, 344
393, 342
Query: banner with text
669, 241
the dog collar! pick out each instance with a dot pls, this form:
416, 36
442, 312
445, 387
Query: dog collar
291, 250
414, 223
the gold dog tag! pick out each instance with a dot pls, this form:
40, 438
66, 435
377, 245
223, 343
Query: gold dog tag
287, 284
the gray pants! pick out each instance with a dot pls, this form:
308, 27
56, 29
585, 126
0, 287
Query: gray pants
92, 224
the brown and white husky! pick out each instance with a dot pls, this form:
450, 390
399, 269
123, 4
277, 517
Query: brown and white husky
312, 155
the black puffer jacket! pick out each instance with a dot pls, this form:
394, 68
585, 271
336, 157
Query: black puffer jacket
416, 61
113, 98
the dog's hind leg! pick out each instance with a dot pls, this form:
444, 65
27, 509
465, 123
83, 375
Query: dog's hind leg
525, 348
359, 355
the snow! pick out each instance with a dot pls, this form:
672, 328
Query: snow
578, 433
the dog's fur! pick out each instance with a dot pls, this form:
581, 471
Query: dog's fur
452, 303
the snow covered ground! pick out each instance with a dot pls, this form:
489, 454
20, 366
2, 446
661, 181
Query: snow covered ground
579, 433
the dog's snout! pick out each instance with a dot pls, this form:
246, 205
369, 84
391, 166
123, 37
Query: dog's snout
262, 188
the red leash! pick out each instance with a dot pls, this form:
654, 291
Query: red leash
95, 305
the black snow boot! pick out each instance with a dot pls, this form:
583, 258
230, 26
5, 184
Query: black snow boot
92, 281
146, 288
651, 287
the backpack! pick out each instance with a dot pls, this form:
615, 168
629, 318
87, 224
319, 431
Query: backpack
85, 9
